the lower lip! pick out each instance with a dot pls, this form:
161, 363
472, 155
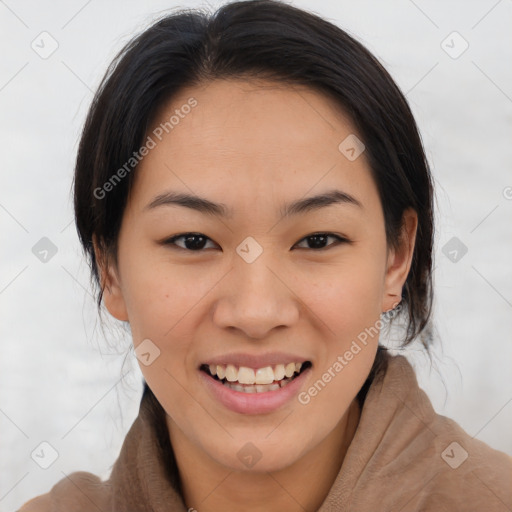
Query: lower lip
253, 403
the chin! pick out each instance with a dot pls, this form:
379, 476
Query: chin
258, 455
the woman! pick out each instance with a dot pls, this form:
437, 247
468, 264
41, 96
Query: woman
254, 199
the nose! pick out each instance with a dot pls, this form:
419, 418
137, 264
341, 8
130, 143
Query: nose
256, 299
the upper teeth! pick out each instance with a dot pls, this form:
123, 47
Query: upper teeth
245, 375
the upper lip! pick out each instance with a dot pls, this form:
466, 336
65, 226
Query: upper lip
255, 361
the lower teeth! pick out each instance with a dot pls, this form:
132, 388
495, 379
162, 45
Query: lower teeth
257, 388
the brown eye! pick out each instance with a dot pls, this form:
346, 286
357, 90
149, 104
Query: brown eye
191, 241
318, 241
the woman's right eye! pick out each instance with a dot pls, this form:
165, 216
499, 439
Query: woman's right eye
191, 241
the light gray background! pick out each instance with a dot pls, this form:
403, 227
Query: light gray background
60, 380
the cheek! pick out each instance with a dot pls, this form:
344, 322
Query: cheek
162, 308
158, 296
347, 297
348, 303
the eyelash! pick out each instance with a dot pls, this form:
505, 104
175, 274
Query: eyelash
171, 241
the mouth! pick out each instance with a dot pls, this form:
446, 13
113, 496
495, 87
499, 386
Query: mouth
255, 380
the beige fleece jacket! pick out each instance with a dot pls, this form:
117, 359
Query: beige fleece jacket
403, 458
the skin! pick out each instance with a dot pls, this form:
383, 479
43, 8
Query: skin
253, 146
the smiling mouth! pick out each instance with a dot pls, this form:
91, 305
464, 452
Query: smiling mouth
249, 380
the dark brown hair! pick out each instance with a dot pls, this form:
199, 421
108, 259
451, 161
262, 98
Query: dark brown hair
258, 39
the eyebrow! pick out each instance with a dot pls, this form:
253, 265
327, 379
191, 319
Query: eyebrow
208, 207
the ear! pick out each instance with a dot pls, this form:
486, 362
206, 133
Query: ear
399, 261
110, 283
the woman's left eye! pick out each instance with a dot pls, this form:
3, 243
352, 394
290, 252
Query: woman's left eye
197, 241
319, 240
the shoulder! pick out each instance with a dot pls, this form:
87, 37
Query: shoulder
78, 492
462, 470
469, 469
439, 465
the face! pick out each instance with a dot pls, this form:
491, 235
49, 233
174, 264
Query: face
260, 280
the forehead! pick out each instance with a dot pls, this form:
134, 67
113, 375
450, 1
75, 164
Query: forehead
241, 113
252, 137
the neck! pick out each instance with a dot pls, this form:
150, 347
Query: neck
208, 486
